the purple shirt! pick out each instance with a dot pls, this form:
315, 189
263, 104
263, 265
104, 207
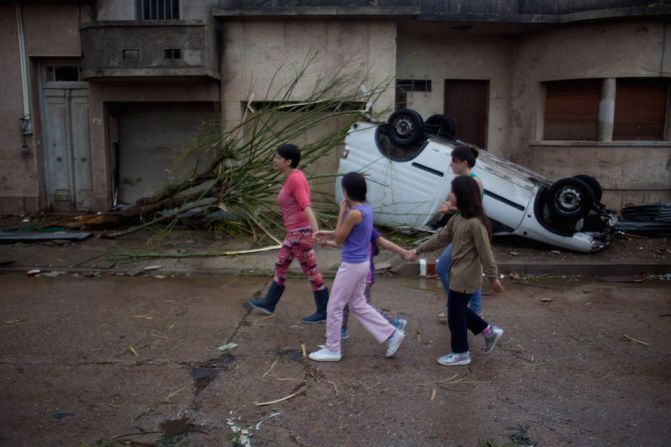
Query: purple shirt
356, 248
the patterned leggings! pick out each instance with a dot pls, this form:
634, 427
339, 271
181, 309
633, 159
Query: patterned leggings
298, 244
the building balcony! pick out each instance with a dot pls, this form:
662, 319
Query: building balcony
149, 50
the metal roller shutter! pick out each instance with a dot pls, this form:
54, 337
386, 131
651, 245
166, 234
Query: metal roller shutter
640, 109
151, 137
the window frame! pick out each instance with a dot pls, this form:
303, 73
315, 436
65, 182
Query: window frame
176, 10
637, 87
403, 86
607, 106
584, 92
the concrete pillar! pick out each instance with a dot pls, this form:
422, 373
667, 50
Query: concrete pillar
539, 117
607, 110
667, 123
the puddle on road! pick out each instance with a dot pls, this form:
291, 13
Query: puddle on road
289, 353
202, 377
176, 427
205, 373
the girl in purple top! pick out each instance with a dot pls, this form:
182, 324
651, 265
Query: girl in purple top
377, 242
353, 232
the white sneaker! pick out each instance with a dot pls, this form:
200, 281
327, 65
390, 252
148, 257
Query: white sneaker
394, 342
453, 359
325, 355
492, 338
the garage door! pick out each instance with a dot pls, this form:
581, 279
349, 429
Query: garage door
151, 139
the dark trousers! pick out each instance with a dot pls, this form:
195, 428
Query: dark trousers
460, 318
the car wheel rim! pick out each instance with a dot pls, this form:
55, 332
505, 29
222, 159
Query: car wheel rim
403, 127
569, 199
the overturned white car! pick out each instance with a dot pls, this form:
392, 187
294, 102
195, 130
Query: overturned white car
407, 166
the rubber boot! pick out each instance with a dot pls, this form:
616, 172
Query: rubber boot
321, 300
267, 304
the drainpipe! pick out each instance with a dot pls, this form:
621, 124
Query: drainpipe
26, 120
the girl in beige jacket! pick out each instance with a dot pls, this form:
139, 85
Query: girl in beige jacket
469, 233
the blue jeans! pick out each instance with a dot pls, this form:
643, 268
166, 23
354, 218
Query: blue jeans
443, 271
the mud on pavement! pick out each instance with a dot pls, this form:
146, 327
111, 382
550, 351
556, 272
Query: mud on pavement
135, 361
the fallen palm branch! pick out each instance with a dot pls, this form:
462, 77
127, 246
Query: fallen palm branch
626, 337
299, 390
122, 256
270, 369
435, 382
232, 186
335, 387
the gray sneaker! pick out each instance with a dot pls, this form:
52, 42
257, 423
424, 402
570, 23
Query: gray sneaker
394, 342
453, 359
492, 338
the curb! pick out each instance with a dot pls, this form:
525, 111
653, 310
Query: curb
564, 268
404, 269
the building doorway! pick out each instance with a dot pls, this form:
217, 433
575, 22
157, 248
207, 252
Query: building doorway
149, 141
65, 125
467, 102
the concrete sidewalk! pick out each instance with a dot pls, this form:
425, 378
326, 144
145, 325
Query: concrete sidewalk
195, 253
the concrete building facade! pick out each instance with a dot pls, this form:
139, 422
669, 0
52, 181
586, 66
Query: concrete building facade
99, 96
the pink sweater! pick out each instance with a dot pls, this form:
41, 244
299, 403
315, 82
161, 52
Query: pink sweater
293, 198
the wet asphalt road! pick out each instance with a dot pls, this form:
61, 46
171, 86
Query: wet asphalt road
102, 361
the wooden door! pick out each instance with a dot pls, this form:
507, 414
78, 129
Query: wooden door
467, 102
66, 148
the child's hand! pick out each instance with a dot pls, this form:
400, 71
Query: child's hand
496, 286
344, 205
410, 255
446, 207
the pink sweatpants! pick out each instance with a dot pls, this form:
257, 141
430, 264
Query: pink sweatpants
348, 288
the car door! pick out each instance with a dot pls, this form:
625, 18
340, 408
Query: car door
509, 190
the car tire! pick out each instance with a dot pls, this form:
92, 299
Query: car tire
570, 198
405, 127
440, 125
594, 184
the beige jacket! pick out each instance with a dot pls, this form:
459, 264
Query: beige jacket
470, 253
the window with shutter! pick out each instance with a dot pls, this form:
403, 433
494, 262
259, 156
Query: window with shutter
572, 109
640, 109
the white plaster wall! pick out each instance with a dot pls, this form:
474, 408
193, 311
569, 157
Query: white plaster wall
634, 49
631, 49
629, 174
517, 65
51, 31
197, 9
115, 9
460, 56
261, 57
18, 175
